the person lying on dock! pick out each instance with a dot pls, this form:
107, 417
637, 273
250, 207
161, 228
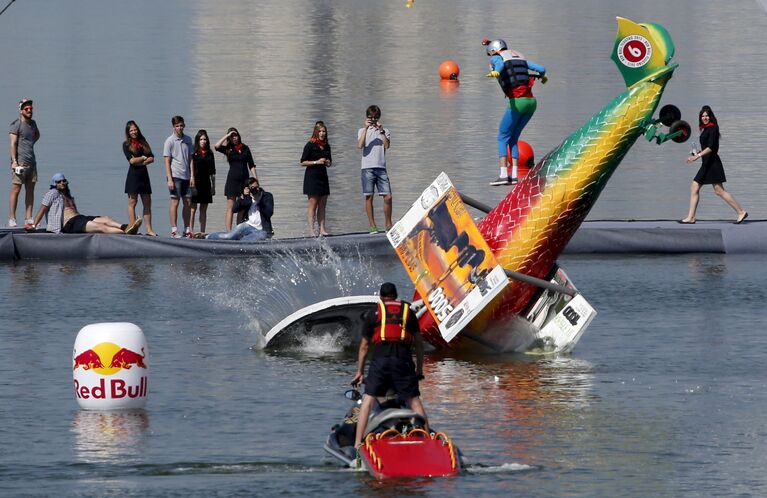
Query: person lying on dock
61, 214
258, 205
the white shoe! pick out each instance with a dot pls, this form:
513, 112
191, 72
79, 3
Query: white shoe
12, 223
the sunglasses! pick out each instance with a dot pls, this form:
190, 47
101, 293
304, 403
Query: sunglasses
62, 181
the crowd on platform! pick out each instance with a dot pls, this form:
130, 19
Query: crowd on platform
190, 173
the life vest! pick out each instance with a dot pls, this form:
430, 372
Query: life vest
391, 322
514, 73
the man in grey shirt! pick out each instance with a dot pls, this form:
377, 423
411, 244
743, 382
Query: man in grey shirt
179, 172
23, 133
374, 139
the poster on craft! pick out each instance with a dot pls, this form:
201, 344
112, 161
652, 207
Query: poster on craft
451, 265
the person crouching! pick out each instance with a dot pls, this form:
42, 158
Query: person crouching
258, 205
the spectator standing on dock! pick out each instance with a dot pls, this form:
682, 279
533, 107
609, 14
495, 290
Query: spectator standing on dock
204, 178
374, 139
177, 152
23, 134
316, 159
241, 167
711, 171
139, 155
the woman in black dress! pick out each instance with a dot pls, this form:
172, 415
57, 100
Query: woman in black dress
204, 177
711, 172
241, 167
139, 154
316, 160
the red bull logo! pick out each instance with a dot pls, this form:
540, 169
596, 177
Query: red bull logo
107, 359
116, 357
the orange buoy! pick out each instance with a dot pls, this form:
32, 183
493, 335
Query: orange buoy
449, 70
526, 158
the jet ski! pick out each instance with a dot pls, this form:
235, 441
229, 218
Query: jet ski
395, 444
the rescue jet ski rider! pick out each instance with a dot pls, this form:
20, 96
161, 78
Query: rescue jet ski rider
511, 68
393, 329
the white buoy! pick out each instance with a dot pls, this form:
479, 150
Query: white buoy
110, 369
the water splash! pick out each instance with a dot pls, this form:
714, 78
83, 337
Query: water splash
266, 289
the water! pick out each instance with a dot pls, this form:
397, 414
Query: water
663, 395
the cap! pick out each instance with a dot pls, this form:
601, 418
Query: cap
57, 178
24, 102
388, 289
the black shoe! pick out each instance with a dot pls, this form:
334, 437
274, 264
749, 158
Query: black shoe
500, 181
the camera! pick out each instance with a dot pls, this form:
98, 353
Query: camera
19, 170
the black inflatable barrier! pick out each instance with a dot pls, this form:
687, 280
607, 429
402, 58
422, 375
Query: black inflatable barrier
593, 237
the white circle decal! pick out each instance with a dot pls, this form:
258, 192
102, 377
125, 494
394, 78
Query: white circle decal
634, 51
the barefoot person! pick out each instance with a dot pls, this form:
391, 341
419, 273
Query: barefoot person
711, 170
60, 210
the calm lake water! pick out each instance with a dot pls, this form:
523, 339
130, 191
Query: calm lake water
663, 395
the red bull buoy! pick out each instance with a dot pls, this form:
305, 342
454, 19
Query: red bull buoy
449, 70
526, 158
109, 367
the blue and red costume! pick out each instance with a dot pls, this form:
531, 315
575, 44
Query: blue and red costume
511, 70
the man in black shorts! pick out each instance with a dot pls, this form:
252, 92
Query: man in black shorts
393, 330
61, 214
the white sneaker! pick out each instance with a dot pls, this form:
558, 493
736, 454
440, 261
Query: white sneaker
175, 235
12, 223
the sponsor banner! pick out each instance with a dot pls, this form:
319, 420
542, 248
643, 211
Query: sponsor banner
451, 265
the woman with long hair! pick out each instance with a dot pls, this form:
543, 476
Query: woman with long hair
241, 167
139, 155
204, 178
711, 170
316, 160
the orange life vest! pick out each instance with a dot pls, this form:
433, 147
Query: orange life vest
391, 322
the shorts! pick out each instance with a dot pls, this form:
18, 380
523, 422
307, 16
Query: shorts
180, 188
77, 224
392, 372
28, 175
375, 179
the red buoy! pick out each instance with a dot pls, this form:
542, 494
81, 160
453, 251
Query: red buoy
526, 158
449, 70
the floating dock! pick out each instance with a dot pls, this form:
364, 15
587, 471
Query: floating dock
593, 237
